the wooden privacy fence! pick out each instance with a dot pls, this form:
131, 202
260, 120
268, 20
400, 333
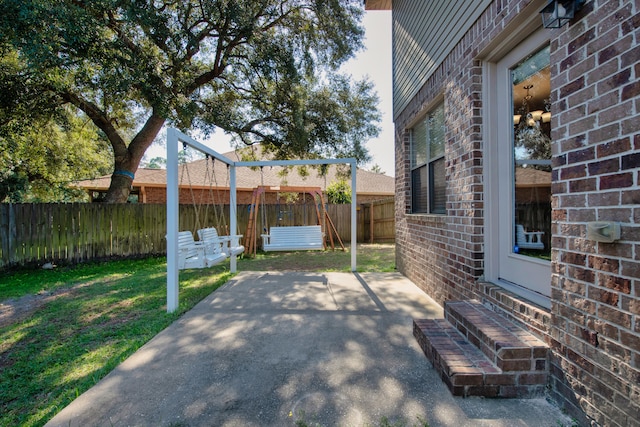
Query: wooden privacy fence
76, 232
377, 220
33, 234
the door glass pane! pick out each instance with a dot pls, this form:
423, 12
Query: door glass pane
532, 155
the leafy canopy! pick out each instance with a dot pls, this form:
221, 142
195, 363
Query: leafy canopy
261, 70
43, 150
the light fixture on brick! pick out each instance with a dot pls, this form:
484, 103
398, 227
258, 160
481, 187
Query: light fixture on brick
559, 12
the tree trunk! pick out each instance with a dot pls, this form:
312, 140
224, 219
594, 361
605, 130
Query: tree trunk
119, 189
126, 163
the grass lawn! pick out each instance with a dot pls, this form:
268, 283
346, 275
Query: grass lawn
77, 324
369, 257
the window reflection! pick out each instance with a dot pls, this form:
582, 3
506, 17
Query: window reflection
532, 155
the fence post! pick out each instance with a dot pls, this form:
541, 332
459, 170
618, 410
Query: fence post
371, 222
11, 233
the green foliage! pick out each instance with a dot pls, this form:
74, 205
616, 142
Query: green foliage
157, 163
377, 169
39, 161
262, 71
42, 149
339, 192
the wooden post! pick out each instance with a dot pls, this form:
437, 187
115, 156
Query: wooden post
371, 223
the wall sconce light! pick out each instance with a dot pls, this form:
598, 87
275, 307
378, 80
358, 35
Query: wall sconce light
559, 12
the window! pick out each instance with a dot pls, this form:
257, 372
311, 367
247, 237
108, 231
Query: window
427, 163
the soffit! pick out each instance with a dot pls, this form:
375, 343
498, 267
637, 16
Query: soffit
377, 5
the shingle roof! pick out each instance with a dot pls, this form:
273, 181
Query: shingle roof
529, 177
206, 173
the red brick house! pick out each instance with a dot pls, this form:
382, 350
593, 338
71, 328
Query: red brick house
505, 128
206, 181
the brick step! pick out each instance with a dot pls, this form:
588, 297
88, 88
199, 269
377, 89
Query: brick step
469, 371
510, 347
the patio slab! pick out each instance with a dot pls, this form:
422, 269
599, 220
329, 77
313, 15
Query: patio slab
276, 349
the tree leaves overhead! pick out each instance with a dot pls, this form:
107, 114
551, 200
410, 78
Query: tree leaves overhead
39, 161
262, 70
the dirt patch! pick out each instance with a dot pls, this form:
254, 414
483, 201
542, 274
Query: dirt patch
15, 309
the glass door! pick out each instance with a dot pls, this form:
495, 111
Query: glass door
524, 162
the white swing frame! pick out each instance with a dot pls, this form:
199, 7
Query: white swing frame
175, 139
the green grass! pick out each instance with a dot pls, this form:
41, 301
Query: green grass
93, 316
68, 344
369, 257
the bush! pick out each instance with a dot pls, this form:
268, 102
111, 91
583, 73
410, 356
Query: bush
339, 192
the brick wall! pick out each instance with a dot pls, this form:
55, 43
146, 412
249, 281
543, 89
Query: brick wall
449, 248
593, 326
596, 286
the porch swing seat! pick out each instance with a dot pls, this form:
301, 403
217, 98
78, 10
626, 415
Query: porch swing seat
229, 245
529, 239
192, 254
294, 238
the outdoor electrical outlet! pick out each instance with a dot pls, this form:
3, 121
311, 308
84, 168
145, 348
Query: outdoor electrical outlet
603, 231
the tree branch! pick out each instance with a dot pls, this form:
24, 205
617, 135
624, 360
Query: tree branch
100, 119
144, 138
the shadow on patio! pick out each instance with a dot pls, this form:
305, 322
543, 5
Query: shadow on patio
273, 349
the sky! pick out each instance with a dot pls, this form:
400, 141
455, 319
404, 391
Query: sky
373, 61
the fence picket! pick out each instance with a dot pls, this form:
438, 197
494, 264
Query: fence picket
33, 234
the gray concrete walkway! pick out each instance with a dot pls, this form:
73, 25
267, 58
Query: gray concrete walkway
273, 349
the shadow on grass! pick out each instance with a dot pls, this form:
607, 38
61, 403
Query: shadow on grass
105, 312
68, 344
370, 258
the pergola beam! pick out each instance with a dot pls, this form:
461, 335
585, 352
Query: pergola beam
295, 162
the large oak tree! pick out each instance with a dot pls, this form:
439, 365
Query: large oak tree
262, 70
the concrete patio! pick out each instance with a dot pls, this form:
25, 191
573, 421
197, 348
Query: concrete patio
273, 349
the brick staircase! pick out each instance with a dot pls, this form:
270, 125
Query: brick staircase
477, 352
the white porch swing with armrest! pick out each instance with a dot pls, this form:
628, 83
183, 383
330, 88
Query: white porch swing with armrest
231, 243
197, 254
294, 237
529, 239
212, 239
284, 238
192, 254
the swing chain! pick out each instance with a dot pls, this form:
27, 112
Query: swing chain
185, 168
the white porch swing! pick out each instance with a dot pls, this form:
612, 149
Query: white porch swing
192, 253
228, 243
294, 237
281, 236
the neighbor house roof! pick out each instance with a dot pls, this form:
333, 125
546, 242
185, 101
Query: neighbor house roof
529, 177
207, 173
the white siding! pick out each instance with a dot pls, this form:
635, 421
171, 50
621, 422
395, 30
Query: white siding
424, 32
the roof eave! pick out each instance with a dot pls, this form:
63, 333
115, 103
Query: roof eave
377, 4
